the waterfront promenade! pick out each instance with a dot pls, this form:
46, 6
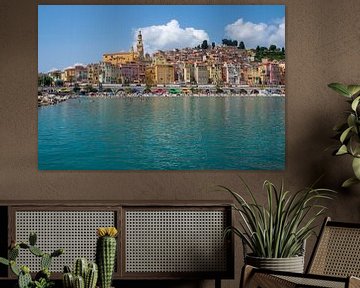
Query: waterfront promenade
54, 95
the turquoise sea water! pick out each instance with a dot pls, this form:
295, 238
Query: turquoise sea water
163, 133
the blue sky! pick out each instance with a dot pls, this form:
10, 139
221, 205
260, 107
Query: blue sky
69, 34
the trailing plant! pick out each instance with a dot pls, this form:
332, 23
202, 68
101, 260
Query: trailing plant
84, 275
348, 132
42, 278
105, 254
279, 229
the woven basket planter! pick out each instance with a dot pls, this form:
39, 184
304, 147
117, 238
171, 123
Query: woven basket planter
291, 264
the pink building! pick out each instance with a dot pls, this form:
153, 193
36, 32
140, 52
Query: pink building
133, 72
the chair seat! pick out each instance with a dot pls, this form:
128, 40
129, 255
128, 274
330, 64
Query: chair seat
315, 282
269, 279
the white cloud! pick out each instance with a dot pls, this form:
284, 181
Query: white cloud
253, 34
79, 64
53, 69
170, 36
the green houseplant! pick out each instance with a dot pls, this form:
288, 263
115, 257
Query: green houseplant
348, 132
42, 278
279, 229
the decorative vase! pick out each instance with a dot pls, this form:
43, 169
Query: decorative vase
291, 264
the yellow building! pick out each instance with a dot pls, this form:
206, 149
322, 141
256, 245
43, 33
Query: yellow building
215, 73
69, 74
93, 73
150, 77
126, 57
164, 74
253, 75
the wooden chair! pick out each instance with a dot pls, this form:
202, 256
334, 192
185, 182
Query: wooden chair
334, 263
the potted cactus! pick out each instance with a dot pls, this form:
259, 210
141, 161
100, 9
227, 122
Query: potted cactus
42, 278
106, 254
84, 275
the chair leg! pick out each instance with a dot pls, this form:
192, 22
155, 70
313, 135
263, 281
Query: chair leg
251, 279
246, 274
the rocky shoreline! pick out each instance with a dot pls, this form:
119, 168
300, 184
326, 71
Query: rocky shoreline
52, 99
47, 99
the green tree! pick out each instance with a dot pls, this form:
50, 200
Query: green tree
213, 45
204, 45
242, 45
45, 80
272, 47
283, 50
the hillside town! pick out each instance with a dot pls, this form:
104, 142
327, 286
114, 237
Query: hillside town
222, 66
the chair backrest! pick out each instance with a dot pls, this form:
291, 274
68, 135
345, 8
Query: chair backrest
337, 251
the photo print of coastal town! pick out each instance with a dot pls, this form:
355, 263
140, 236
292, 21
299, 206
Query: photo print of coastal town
161, 87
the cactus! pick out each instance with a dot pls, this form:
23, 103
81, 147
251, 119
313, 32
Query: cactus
80, 267
57, 252
105, 255
36, 251
43, 274
90, 272
14, 268
79, 282
45, 261
68, 280
13, 253
24, 278
67, 269
32, 239
91, 276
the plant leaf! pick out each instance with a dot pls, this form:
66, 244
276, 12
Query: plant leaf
351, 120
340, 88
342, 150
355, 103
345, 134
4, 261
353, 89
349, 182
356, 167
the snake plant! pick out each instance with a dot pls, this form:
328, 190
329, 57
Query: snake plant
279, 228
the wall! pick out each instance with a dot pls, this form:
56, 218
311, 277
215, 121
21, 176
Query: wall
322, 44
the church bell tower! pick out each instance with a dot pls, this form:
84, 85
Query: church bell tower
140, 46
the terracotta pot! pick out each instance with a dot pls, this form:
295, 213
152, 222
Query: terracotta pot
291, 264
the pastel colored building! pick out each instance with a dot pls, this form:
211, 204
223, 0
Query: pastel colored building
93, 71
55, 75
189, 73
233, 74
215, 73
133, 72
270, 72
109, 73
69, 75
118, 58
80, 73
164, 74
201, 74
150, 77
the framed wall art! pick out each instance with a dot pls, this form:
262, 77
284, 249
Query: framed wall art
161, 87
